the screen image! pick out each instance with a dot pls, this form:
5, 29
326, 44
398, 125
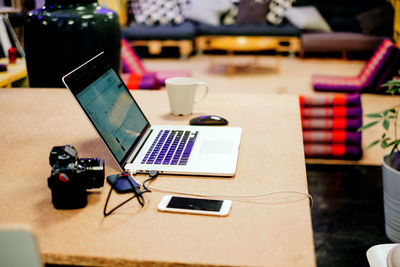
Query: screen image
113, 112
195, 204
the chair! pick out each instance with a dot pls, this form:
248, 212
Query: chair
330, 125
136, 76
382, 66
18, 247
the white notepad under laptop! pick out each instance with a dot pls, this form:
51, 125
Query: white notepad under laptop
138, 146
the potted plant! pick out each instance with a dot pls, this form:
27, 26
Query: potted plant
388, 119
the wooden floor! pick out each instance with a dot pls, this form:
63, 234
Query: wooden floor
293, 77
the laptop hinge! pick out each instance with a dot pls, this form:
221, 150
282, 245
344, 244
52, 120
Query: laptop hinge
135, 152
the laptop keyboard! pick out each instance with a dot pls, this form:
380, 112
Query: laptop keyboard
171, 147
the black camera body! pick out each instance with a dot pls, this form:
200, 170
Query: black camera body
72, 176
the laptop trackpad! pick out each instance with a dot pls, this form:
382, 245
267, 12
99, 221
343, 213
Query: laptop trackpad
216, 147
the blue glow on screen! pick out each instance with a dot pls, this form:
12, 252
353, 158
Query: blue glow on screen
113, 112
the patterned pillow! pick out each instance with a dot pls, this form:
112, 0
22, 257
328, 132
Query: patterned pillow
207, 11
277, 10
252, 12
158, 12
229, 17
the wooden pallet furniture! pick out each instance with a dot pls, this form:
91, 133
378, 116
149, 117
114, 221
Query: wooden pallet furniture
290, 44
155, 46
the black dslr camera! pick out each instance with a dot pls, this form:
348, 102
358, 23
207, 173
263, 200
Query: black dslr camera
71, 176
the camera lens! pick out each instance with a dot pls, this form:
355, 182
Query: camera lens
64, 159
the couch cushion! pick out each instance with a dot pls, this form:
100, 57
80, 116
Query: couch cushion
185, 30
252, 12
339, 41
344, 24
229, 17
158, 12
307, 18
277, 9
207, 11
378, 21
341, 14
287, 29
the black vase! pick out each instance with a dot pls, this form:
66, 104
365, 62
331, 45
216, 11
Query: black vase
63, 34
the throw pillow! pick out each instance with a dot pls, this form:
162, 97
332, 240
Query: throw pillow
230, 16
252, 12
158, 12
307, 18
378, 21
277, 10
207, 11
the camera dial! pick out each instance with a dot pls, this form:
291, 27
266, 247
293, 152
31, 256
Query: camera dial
63, 177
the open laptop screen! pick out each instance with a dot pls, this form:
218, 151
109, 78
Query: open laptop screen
110, 107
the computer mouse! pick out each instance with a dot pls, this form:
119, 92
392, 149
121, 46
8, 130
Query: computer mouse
208, 120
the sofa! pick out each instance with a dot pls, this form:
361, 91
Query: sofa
300, 27
355, 26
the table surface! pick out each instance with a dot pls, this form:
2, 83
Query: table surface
244, 43
274, 230
14, 72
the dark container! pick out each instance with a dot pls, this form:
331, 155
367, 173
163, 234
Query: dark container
63, 34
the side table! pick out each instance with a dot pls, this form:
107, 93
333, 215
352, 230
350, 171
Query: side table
233, 44
14, 72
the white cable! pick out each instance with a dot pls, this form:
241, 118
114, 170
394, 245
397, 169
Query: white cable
234, 196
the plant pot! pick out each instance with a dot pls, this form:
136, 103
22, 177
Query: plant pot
391, 199
63, 34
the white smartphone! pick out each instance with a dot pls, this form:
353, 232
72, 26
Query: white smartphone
202, 206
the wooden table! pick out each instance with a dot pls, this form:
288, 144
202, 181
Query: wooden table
233, 44
14, 72
270, 231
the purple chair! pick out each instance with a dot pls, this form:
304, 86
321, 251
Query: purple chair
135, 75
383, 63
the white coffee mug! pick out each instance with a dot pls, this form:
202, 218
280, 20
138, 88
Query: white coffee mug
182, 94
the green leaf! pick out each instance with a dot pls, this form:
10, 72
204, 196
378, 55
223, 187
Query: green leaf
396, 143
385, 124
384, 144
373, 144
374, 115
385, 112
393, 90
391, 83
393, 149
393, 86
396, 87
367, 126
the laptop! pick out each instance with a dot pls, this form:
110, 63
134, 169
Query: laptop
138, 146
